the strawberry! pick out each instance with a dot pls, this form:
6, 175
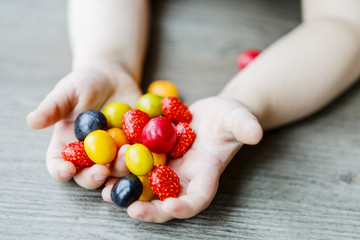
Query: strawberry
134, 121
185, 136
164, 182
75, 153
174, 109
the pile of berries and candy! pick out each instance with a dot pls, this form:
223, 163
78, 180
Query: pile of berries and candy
157, 129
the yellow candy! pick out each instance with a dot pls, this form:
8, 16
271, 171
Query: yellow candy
100, 147
139, 159
147, 193
114, 113
159, 158
163, 88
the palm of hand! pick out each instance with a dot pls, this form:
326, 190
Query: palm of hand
220, 125
77, 92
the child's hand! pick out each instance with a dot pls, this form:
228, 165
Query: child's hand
222, 125
81, 90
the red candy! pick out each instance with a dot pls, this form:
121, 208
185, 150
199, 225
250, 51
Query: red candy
133, 123
164, 182
75, 153
175, 110
246, 57
185, 136
159, 135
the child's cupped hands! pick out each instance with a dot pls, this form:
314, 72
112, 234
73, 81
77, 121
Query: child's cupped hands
88, 88
222, 126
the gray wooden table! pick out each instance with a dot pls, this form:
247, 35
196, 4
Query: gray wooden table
300, 182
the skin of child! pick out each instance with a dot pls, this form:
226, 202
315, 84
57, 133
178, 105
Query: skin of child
322, 59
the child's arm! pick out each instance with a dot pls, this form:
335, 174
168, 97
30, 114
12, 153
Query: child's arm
294, 77
306, 69
109, 30
108, 40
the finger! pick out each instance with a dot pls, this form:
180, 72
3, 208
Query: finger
106, 194
58, 168
61, 170
200, 192
107, 189
55, 106
118, 167
245, 127
92, 177
148, 211
110, 182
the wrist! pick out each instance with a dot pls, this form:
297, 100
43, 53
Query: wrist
115, 74
105, 64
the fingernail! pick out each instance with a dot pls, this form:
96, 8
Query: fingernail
64, 174
99, 178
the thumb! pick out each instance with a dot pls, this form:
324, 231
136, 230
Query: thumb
245, 127
118, 167
55, 106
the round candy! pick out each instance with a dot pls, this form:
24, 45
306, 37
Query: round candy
88, 122
147, 193
126, 190
118, 136
114, 113
139, 159
151, 104
163, 88
159, 135
159, 159
246, 57
100, 147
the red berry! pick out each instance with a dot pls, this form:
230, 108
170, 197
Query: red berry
246, 57
175, 110
75, 153
133, 123
185, 136
159, 135
164, 182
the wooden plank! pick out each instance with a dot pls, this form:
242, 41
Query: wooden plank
300, 182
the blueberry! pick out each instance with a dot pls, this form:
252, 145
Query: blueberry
88, 122
126, 190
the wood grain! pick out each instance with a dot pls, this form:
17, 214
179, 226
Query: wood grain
300, 182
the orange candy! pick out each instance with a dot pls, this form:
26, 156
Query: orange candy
159, 159
163, 88
118, 136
